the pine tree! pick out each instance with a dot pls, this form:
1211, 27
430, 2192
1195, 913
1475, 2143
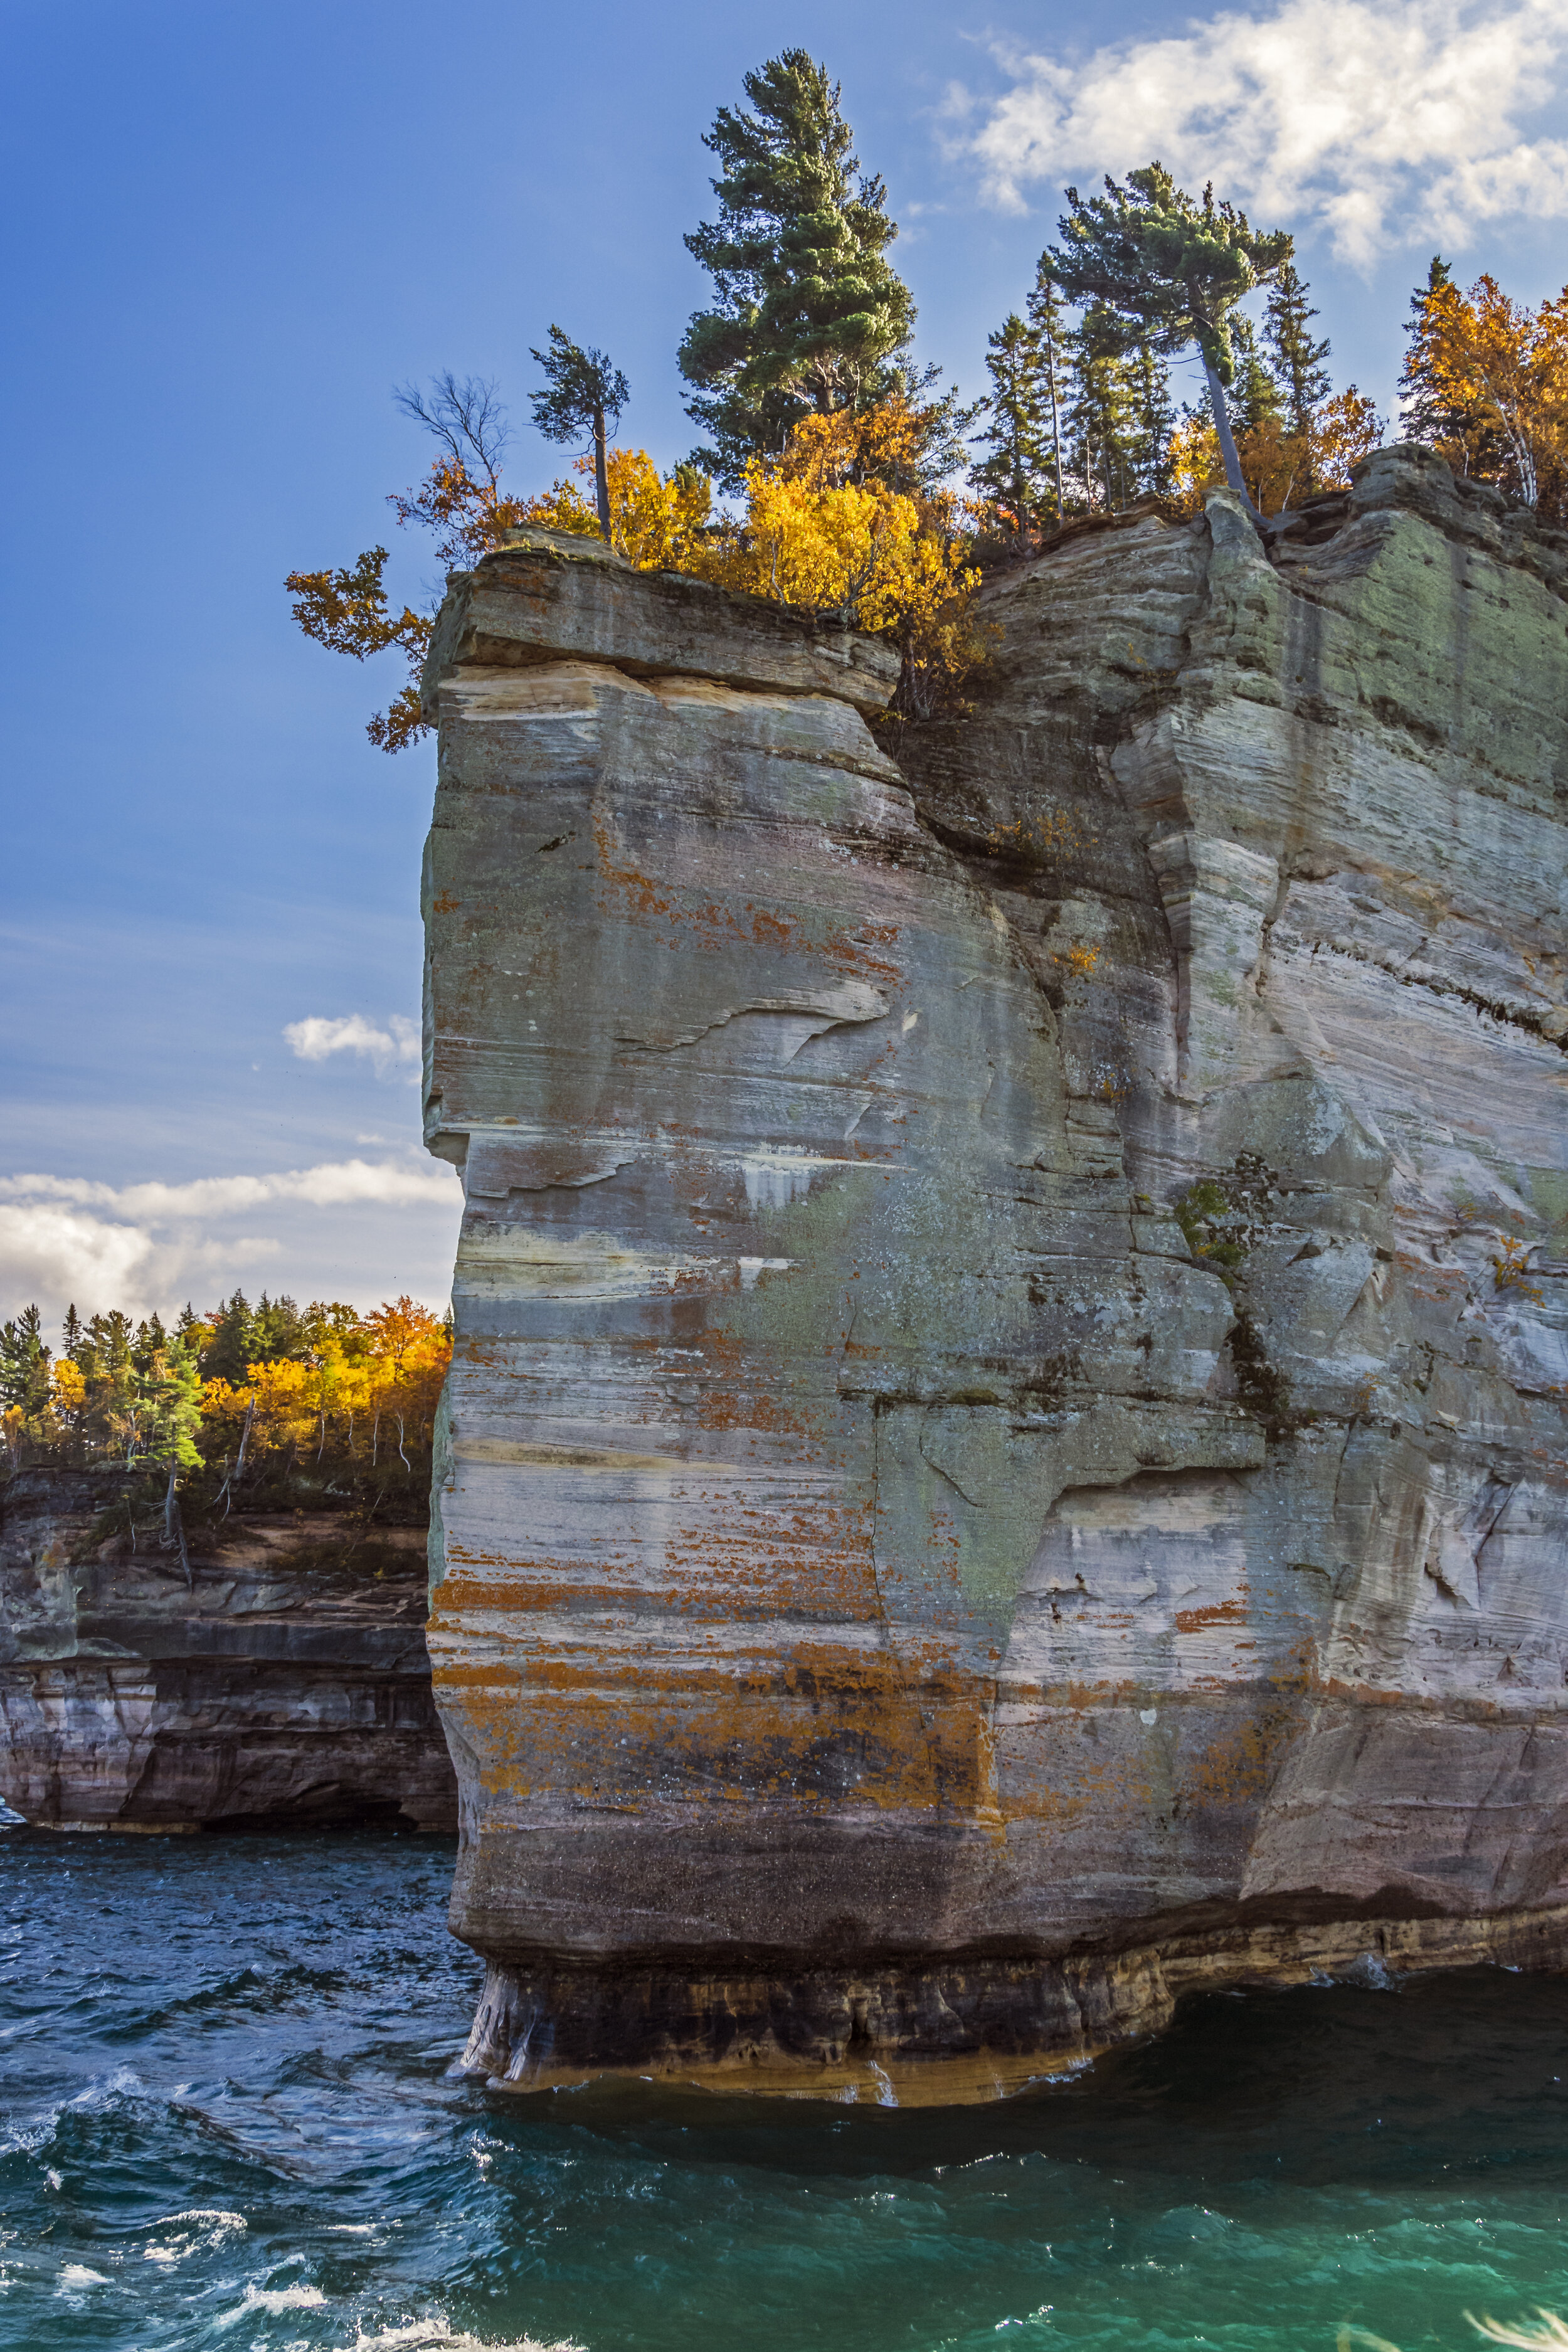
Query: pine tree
810, 314
24, 1364
582, 398
171, 1401
233, 1343
1044, 310
71, 1332
1428, 410
1298, 359
1169, 268
1101, 412
1255, 399
1155, 415
1019, 408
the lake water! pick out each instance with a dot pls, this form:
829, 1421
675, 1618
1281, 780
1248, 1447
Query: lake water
224, 2122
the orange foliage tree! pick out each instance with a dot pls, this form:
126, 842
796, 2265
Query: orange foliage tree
1277, 464
356, 1394
1487, 377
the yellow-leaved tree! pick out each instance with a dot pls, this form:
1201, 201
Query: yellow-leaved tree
842, 522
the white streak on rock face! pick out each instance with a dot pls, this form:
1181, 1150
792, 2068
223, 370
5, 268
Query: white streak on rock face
776, 1181
754, 1268
1011, 1346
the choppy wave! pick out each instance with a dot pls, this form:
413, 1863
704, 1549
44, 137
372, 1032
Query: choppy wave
226, 2121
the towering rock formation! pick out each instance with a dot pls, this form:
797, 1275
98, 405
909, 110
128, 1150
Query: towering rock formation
1006, 1442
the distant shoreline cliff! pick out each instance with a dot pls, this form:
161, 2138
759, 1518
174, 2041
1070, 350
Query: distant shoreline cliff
284, 1684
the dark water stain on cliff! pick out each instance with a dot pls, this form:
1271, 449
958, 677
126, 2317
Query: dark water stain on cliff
224, 2121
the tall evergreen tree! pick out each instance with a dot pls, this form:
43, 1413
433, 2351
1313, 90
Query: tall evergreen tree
1255, 398
1045, 309
810, 314
1155, 412
1100, 411
1170, 268
233, 1343
1019, 410
24, 1364
1427, 409
1299, 356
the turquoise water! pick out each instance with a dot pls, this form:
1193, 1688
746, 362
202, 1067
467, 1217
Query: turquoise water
224, 2122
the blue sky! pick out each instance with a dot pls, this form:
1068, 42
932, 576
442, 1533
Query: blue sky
230, 230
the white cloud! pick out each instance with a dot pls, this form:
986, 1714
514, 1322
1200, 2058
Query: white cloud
1376, 125
316, 1037
144, 1245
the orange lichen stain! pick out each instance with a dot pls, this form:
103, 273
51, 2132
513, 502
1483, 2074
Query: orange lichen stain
473, 1679
1111, 1790
1222, 1612
724, 1408
1239, 1768
724, 925
444, 904
832, 1725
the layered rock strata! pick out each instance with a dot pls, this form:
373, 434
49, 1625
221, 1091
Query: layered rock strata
1005, 1446
286, 1683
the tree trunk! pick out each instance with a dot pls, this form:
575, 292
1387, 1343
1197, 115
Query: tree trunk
1227, 438
601, 476
174, 1526
1056, 424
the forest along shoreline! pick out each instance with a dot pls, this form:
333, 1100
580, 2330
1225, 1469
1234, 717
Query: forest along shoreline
213, 1587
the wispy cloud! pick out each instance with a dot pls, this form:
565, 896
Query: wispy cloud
316, 1037
1376, 125
144, 1245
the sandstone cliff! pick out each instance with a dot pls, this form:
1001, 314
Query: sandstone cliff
1006, 1446
287, 1683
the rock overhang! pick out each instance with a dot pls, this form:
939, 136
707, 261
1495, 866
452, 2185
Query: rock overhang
549, 597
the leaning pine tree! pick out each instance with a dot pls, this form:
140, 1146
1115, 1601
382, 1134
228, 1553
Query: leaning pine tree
1170, 269
810, 314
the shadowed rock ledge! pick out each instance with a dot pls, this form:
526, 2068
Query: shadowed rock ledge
1004, 1453
286, 1685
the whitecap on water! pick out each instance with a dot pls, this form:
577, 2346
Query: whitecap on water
213, 2226
435, 2336
273, 2299
76, 2275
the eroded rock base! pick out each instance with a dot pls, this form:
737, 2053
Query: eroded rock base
954, 2034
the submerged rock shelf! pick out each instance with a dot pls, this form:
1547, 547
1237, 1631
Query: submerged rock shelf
1006, 1446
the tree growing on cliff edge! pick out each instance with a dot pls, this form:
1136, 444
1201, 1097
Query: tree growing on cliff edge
1298, 355
1021, 421
810, 314
1170, 269
1045, 309
1486, 383
583, 394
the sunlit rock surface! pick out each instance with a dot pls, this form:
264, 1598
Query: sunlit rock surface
917, 1578
286, 1683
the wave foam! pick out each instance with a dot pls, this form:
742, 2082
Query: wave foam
435, 2336
272, 2300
